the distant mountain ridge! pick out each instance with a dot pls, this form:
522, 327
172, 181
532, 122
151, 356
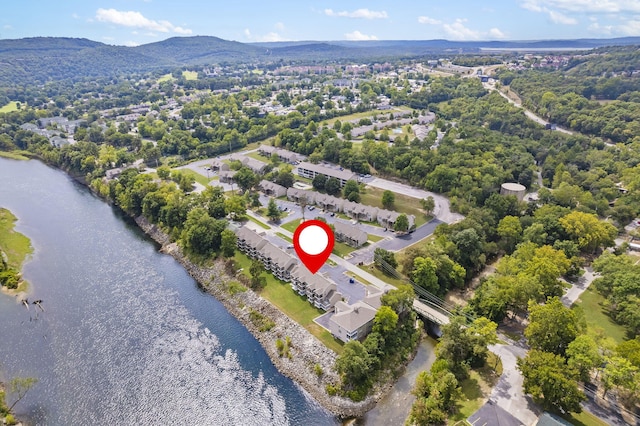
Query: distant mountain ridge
40, 59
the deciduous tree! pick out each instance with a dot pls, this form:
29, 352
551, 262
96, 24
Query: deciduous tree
550, 382
552, 326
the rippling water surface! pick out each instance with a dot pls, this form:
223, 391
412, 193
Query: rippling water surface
127, 337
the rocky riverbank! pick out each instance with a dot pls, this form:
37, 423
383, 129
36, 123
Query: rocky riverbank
306, 351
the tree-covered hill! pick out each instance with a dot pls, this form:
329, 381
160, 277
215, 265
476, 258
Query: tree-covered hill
37, 60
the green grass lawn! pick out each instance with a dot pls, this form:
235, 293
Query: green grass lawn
197, 176
366, 114
14, 155
256, 221
257, 156
592, 304
378, 274
585, 419
10, 107
403, 204
342, 249
14, 244
166, 77
284, 237
357, 278
291, 226
375, 238
190, 75
476, 389
292, 304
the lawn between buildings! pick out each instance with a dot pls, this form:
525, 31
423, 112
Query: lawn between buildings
593, 304
402, 204
292, 304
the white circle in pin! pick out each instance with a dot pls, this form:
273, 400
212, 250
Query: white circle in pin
313, 240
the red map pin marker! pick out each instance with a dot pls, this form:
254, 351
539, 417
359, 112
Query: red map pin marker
313, 241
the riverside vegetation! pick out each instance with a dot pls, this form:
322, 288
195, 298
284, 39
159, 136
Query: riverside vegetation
14, 249
588, 184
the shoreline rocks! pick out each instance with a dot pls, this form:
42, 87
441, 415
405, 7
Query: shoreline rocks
305, 349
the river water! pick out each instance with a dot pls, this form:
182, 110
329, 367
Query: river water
126, 337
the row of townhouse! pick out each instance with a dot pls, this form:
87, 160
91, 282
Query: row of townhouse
283, 154
363, 212
254, 245
272, 189
257, 166
320, 291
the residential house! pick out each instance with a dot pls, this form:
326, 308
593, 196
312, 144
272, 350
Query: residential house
255, 165
349, 234
328, 202
218, 165
279, 262
272, 189
250, 242
295, 194
387, 218
283, 154
320, 291
310, 170
226, 176
359, 211
352, 322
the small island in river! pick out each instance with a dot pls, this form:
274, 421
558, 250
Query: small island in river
14, 249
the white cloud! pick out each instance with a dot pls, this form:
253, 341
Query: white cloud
583, 6
560, 18
496, 33
75, 16
7, 27
358, 36
279, 26
427, 20
137, 20
359, 13
595, 27
131, 43
555, 16
272, 36
630, 28
457, 31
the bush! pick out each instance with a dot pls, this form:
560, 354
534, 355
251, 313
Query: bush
263, 323
10, 420
318, 370
234, 287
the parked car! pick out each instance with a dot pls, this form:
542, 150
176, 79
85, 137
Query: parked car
311, 208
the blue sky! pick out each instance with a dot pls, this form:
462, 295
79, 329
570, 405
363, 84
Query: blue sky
134, 22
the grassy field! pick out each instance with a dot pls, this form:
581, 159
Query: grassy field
260, 224
592, 304
585, 419
13, 155
291, 226
403, 204
10, 107
284, 237
190, 75
197, 176
342, 249
14, 244
378, 274
374, 238
366, 114
476, 389
166, 77
292, 304
357, 278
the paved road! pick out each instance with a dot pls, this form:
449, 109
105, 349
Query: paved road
508, 393
528, 113
442, 211
573, 293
